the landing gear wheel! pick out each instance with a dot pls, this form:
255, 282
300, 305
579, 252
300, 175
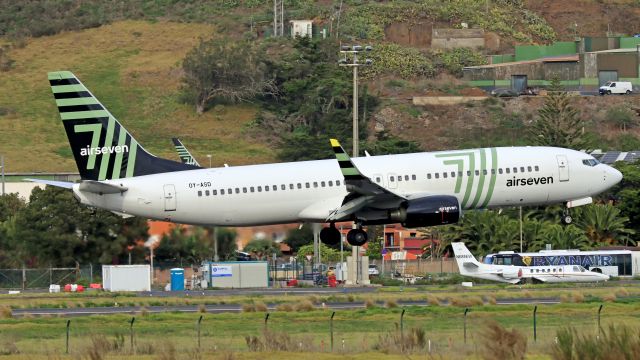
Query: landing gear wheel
330, 235
356, 237
567, 219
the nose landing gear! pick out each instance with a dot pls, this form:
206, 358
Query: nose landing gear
566, 217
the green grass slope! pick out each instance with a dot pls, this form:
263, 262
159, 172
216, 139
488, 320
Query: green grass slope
133, 67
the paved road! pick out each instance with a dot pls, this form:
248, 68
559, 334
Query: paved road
230, 308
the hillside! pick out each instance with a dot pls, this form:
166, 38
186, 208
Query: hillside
133, 68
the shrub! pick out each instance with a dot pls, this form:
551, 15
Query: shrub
261, 307
394, 342
621, 116
617, 342
304, 306
369, 304
286, 307
5, 312
248, 308
391, 304
500, 343
467, 301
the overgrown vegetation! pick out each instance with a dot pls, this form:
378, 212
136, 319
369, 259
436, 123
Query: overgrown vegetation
614, 342
506, 17
500, 343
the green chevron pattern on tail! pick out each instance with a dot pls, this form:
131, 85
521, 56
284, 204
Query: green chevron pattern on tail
102, 148
183, 153
349, 171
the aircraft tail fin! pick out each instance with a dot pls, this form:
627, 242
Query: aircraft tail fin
467, 263
185, 155
102, 148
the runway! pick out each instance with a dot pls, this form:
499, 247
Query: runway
233, 308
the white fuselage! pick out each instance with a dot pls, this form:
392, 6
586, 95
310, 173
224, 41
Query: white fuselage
310, 191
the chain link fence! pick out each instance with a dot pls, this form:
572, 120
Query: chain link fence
43, 277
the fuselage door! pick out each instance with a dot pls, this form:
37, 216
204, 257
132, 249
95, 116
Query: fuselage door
563, 168
392, 181
169, 197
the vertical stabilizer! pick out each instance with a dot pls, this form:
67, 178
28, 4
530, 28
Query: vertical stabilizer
102, 148
183, 153
467, 263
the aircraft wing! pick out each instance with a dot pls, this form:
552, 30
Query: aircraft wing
62, 184
363, 192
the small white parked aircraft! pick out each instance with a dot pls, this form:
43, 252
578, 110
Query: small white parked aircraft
469, 266
421, 189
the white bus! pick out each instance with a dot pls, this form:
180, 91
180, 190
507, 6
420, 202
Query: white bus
610, 262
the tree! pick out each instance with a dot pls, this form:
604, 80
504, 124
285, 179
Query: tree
563, 237
327, 254
374, 248
224, 69
10, 204
261, 248
53, 229
559, 123
603, 225
622, 116
299, 237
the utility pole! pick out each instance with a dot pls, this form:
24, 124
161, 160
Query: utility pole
278, 18
350, 59
2, 166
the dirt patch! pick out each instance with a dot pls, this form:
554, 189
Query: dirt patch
592, 17
416, 35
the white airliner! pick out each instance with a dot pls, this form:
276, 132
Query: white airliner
469, 266
421, 189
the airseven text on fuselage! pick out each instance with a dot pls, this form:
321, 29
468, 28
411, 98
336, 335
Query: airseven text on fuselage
530, 181
104, 150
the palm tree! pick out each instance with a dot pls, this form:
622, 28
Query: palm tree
563, 237
603, 224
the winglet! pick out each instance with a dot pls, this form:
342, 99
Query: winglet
349, 170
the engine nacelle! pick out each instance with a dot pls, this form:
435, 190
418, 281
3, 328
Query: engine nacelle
515, 273
428, 211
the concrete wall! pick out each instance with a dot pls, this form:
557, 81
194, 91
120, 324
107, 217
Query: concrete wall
589, 65
626, 64
564, 70
457, 38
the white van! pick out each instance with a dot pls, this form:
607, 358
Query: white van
616, 87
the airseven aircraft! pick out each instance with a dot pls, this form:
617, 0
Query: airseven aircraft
421, 189
469, 266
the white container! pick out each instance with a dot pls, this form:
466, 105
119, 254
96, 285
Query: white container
126, 277
54, 288
467, 284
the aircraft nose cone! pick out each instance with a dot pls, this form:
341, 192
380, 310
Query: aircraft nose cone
615, 175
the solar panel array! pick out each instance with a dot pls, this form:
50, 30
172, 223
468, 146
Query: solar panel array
611, 157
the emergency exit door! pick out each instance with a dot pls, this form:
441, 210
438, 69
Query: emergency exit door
169, 197
563, 168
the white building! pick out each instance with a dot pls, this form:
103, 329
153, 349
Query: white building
301, 28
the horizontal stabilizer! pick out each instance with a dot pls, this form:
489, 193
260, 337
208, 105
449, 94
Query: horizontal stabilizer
470, 265
62, 184
98, 187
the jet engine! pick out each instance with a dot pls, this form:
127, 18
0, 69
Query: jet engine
427, 211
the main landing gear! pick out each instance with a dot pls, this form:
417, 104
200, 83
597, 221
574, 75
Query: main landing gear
566, 216
331, 236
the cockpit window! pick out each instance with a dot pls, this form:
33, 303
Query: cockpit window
590, 162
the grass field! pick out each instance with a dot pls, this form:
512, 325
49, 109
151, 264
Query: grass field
133, 67
301, 334
363, 331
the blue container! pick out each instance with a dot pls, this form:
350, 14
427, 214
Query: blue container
177, 279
